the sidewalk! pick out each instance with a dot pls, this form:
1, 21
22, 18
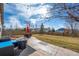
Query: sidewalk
46, 49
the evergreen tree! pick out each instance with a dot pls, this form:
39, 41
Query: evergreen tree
53, 30
42, 28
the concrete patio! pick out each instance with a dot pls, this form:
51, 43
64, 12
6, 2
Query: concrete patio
39, 48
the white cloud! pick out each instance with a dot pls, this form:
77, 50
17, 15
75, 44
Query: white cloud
43, 12
33, 21
27, 10
15, 23
7, 25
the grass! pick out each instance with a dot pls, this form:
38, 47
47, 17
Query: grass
62, 41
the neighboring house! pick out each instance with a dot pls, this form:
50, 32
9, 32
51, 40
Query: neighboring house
64, 30
46, 29
61, 30
67, 31
38, 29
35, 30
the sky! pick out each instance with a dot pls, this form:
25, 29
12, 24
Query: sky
18, 15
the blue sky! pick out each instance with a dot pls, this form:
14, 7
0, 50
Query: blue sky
17, 15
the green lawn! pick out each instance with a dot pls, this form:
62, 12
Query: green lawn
62, 41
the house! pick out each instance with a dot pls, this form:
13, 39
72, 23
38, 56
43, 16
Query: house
38, 29
61, 30
1, 6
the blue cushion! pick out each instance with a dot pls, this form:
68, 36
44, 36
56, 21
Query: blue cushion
5, 44
13, 41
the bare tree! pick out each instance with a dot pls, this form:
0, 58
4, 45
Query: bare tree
71, 25
68, 13
72, 20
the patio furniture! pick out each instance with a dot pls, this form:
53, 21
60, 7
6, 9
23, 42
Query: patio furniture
6, 48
